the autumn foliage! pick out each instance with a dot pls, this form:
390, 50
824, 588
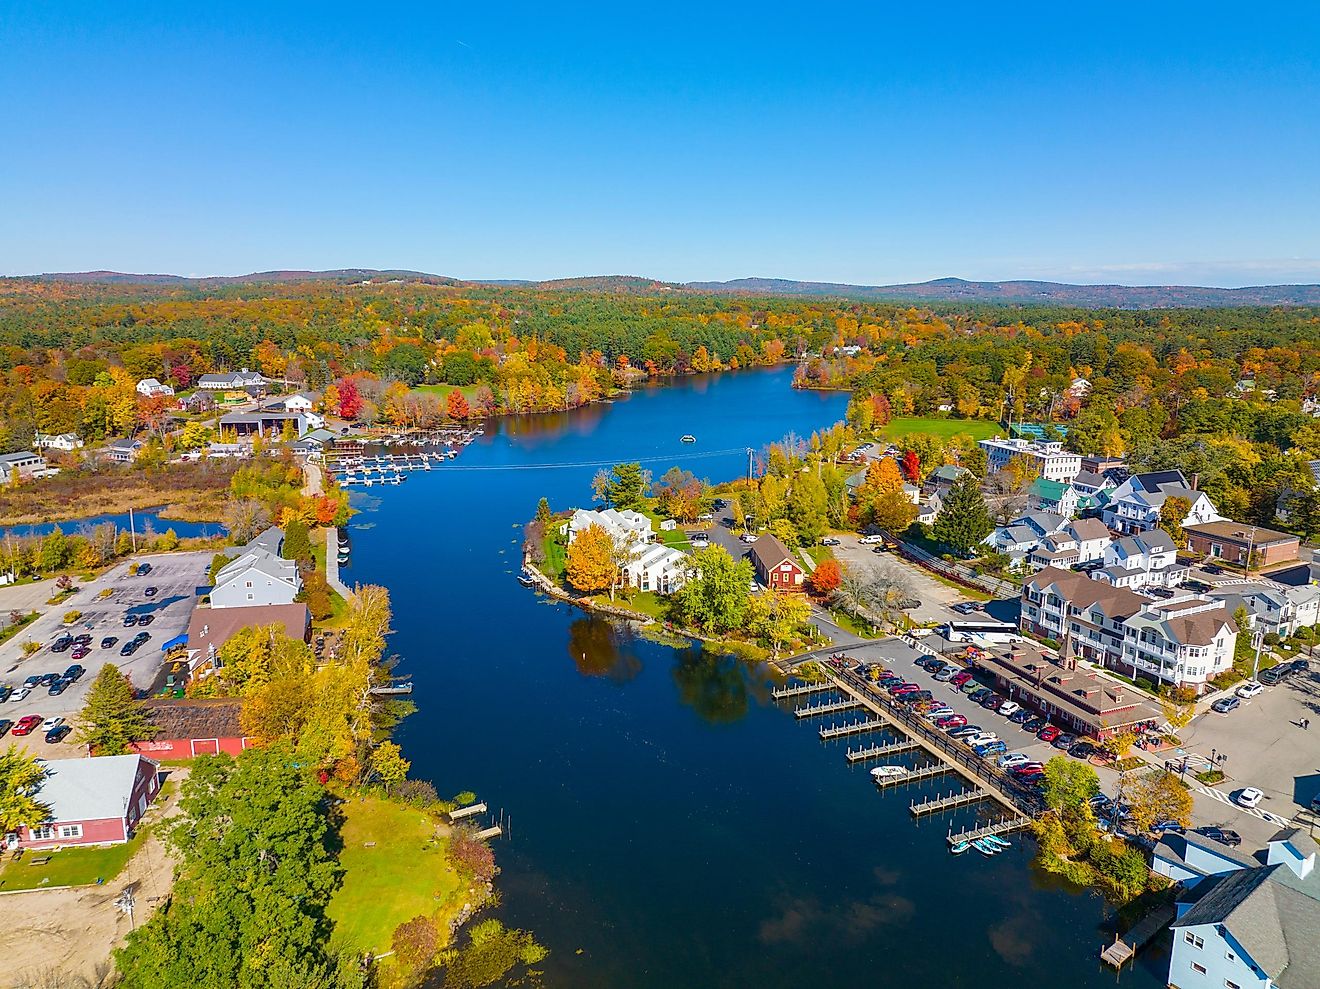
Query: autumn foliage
826, 578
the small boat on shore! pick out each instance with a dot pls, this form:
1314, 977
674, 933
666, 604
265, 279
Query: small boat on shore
888, 772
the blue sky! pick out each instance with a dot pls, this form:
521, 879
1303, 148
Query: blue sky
1162, 143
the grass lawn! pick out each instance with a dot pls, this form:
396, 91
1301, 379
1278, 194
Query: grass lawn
645, 602
468, 391
977, 429
69, 866
676, 537
403, 874
555, 551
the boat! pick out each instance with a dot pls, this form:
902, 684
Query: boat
994, 839
959, 847
888, 772
985, 848
688, 438
526, 579
389, 691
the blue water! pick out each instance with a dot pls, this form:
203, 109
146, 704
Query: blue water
670, 827
147, 521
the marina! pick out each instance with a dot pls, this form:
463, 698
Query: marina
876, 751
826, 707
367, 461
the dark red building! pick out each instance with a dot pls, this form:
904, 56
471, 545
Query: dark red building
775, 566
93, 801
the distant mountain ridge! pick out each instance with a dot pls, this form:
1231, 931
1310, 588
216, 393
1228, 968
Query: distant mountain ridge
1016, 292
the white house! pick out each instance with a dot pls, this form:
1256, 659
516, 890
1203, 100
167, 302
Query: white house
1185, 640
232, 380
657, 568
1053, 496
67, 442
1050, 459
1147, 559
1134, 506
151, 388
1274, 607
122, 451
1080, 541
1240, 924
301, 402
25, 463
627, 527
258, 575
1023, 534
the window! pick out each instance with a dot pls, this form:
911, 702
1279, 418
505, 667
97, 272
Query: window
43, 832
1231, 985
1193, 940
1199, 969
70, 830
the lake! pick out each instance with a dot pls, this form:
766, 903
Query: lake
670, 826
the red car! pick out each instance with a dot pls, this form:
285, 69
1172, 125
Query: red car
25, 725
1049, 733
951, 721
904, 688
960, 678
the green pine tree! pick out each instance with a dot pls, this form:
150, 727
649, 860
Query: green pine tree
297, 541
964, 520
111, 718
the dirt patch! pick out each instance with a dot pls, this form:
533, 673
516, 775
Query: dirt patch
73, 931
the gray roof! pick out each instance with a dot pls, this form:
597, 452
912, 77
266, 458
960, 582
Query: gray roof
1088, 529
1044, 523
21, 457
272, 541
89, 789
1273, 914
1090, 479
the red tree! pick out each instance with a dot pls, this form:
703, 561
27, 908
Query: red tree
880, 409
458, 405
826, 577
912, 466
350, 402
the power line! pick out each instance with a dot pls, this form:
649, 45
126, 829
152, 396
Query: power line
598, 463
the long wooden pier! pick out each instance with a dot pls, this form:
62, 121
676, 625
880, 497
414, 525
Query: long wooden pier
1134, 940
468, 811
875, 751
936, 804
916, 776
1004, 825
801, 690
826, 707
852, 728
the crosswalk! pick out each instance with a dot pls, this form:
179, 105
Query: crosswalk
1224, 798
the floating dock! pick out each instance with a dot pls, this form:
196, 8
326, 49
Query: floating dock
852, 728
1127, 946
468, 811
916, 776
827, 707
801, 690
1005, 825
936, 804
875, 751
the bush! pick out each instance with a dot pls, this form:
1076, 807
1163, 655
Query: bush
471, 856
29, 647
1145, 683
71, 616
420, 793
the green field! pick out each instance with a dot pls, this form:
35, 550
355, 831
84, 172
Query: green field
468, 391
977, 429
394, 869
69, 866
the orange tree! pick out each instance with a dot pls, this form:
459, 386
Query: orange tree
590, 562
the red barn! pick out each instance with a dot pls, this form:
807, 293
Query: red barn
775, 566
194, 726
96, 801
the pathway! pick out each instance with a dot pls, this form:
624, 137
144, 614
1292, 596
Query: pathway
332, 564
312, 485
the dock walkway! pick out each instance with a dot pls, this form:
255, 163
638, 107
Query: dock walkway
826, 707
1005, 825
936, 804
852, 728
800, 690
916, 776
875, 751
1134, 940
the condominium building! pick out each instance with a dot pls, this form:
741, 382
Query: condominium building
1050, 459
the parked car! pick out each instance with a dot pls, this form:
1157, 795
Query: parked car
1065, 741
52, 722
142, 637
951, 721
109, 641
915, 697
128, 648
938, 711
1049, 733
151, 591
1011, 760
1009, 708
80, 653
20, 693
5, 691
1271, 676
58, 734
831, 541
25, 725
5, 725
74, 672
1021, 716
83, 640
1221, 835
971, 687
1034, 725
1300, 666
992, 702
1082, 750
1163, 827
1249, 797
960, 678
946, 675
32, 681
965, 607
63, 644
143, 569
749, 537
47, 679
990, 748
966, 731
130, 620
871, 540
903, 688
146, 619
58, 687
1225, 705
980, 694
1249, 690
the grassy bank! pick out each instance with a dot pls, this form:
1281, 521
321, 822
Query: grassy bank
977, 429
191, 492
395, 868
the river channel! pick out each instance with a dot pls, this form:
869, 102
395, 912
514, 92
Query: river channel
670, 825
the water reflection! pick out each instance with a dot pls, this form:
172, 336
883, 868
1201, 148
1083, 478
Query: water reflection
599, 649
716, 687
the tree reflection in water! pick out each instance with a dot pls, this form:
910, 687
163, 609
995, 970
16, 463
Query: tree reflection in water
716, 687
600, 649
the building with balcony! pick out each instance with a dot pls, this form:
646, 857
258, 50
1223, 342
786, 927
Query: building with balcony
1062, 604
1135, 505
1148, 559
1185, 641
1050, 460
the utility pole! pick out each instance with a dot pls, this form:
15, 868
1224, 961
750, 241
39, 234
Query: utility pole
1257, 640
132, 530
1251, 548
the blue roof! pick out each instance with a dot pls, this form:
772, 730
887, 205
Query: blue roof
178, 640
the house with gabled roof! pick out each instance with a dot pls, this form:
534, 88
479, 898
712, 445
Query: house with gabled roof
1057, 497
1135, 505
91, 801
776, 567
1184, 640
1146, 559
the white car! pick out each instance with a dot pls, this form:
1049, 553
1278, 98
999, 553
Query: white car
980, 738
20, 693
51, 722
831, 541
749, 537
1010, 759
1250, 689
871, 540
1249, 797
1009, 708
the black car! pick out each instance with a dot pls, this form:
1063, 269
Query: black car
5, 691
1300, 666
58, 687
5, 725
149, 592
977, 696
1271, 676
992, 702
1034, 725
141, 637
82, 640
109, 641
130, 621
57, 734
62, 644
1065, 741
915, 696
47, 679
146, 619
1222, 835
128, 648
1021, 717
74, 673
1082, 750
144, 569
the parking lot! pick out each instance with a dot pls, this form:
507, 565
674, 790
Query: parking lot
176, 577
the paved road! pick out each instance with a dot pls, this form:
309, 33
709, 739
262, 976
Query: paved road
935, 598
25, 598
176, 577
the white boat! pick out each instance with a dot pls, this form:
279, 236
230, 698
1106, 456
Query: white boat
688, 438
886, 772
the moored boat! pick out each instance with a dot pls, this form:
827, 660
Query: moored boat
688, 438
887, 772
957, 848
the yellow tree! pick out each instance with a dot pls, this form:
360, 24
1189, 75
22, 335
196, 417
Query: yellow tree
1159, 797
882, 477
590, 561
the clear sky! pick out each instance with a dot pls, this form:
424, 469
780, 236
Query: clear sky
870, 143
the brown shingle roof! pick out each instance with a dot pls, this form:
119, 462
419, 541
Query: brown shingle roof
193, 718
1080, 591
215, 626
769, 552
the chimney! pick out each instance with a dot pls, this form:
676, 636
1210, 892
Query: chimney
1196, 480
